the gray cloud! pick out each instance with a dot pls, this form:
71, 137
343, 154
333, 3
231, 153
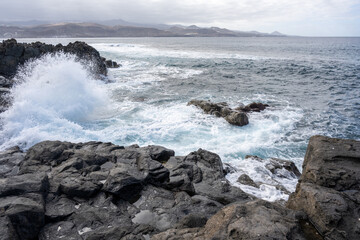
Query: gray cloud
265, 15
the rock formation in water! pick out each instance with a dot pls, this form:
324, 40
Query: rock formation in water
235, 116
14, 54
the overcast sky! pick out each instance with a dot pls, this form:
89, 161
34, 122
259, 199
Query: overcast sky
296, 17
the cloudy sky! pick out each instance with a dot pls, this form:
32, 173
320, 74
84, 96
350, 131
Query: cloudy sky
297, 17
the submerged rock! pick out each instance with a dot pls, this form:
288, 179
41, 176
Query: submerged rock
329, 190
222, 110
252, 107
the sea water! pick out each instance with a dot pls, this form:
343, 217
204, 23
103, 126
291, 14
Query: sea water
311, 84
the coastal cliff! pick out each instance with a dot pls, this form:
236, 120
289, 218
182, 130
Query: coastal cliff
100, 190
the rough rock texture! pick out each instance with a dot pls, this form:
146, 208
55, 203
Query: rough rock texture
99, 190
237, 118
13, 54
329, 190
252, 220
252, 107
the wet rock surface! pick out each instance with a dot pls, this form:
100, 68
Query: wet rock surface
14, 54
99, 190
237, 116
329, 190
222, 109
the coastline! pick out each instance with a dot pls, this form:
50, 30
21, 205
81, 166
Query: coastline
96, 190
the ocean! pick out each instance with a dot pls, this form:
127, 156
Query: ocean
311, 84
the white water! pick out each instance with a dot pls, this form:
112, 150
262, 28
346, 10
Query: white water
53, 97
57, 99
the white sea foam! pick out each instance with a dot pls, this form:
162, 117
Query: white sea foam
56, 99
53, 97
140, 51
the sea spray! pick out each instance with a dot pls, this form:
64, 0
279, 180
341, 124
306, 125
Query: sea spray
51, 99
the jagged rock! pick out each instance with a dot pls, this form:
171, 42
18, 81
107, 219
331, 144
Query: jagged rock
235, 116
7, 231
21, 184
328, 189
252, 220
10, 160
276, 166
26, 216
14, 54
112, 64
222, 110
246, 180
253, 107
100, 190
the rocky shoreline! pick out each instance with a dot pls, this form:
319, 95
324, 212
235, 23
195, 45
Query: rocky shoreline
95, 190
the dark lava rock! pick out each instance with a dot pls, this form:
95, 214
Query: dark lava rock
237, 118
99, 190
111, 64
252, 220
253, 107
246, 180
10, 160
14, 54
328, 190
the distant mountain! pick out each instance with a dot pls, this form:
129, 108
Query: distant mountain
120, 28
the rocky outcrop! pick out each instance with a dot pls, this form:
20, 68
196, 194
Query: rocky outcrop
252, 107
14, 54
329, 190
99, 190
235, 116
222, 109
252, 220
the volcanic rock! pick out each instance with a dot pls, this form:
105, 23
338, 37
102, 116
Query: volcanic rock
222, 110
99, 190
14, 54
252, 107
328, 190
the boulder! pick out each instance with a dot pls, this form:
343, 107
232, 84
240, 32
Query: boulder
14, 54
246, 180
25, 215
252, 107
328, 190
10, 160
236, 116
251, 220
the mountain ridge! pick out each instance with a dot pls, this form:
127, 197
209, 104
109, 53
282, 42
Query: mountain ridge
114, 29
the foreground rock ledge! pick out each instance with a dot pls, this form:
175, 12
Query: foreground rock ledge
329, 187
95, 190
